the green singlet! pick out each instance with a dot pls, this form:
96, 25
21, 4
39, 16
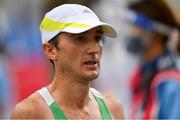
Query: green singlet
59, 114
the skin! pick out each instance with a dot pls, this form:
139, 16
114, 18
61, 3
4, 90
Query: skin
71, 84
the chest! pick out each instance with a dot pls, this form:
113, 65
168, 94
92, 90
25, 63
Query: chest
88, 112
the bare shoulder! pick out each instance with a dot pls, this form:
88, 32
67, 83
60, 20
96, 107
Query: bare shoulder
32, 107
114, 106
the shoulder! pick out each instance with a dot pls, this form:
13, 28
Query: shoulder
169, 88
30, 107
169, 99
114, 106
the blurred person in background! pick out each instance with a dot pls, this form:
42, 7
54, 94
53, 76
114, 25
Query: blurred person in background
73, 43
156, 83
178, 50
7, 97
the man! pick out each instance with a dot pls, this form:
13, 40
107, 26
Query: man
72, 40
156, 83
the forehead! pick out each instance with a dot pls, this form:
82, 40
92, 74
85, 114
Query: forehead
96, 30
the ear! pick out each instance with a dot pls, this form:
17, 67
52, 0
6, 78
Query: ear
50, 51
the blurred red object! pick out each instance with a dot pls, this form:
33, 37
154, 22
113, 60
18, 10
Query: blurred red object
31, 75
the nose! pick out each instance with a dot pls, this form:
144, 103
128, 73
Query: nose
94, 50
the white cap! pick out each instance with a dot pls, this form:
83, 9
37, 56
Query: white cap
71, 18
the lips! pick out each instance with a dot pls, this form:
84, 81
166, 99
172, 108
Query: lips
91, 63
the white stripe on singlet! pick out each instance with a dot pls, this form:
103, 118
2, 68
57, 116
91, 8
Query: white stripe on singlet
46, 95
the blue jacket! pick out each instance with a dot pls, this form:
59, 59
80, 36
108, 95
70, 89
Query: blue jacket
168, 93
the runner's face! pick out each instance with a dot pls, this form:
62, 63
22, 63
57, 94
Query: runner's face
79, 54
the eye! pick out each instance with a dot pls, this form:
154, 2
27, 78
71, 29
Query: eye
98, 38
80, 38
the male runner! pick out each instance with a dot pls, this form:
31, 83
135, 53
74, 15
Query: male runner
72, 40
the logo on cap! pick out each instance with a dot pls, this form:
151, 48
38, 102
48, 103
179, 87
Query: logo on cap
86, 11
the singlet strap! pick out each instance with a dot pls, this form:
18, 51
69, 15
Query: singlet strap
105, 114
46, 95
57, 112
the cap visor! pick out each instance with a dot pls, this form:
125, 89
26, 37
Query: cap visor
107, 29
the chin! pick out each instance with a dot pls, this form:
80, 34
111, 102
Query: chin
91, 76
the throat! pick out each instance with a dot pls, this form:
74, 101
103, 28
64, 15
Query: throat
69, 93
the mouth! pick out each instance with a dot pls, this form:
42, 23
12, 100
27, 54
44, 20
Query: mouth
91, 63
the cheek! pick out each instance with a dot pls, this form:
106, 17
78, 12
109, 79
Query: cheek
148, 42
68, 57
73, 53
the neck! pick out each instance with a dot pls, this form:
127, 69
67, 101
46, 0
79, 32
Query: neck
70, 91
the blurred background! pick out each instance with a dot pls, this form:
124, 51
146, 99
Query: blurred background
24, 67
